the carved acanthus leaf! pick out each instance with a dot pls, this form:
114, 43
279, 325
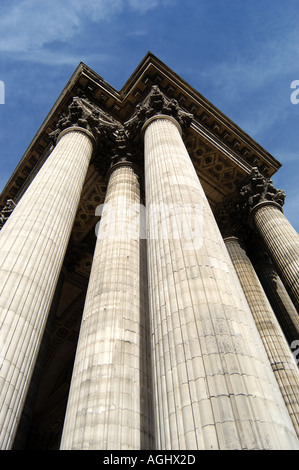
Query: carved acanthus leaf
117, 142
156, 103
82, 113
112, 139
259, 189
6, 211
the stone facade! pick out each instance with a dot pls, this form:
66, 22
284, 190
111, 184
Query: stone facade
134, 311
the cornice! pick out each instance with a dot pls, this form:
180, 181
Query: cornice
222, 153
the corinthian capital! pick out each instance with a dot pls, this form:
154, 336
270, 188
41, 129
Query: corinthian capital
154, 104
112, 139
259, 189
82, 113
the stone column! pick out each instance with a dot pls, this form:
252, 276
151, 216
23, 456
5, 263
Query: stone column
277, 348
33, 242
264, 204
110, 397
277, 294
214, 387
32, 393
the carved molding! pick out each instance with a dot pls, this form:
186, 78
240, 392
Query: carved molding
234, 214
154, 104
117, 142
259, 189
6, 211
83, 113
112, 139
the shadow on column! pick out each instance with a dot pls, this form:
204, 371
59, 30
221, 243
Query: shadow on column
43, 416
276, 292
147, 437
24, 428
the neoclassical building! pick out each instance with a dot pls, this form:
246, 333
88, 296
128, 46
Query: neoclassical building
149, 278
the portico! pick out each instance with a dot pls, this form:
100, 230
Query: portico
131, 314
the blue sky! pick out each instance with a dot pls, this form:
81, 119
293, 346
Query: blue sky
242, 55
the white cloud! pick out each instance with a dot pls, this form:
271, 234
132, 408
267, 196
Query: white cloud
56, 58
143, 6
30, 24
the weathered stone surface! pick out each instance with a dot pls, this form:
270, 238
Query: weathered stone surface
278, 350
32, 243
263, 204
214, 386
282, 243
211, 373
109, 405
259, 189
277, 294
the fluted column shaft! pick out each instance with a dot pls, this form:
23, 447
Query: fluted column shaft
278, 296
109, 400
282, 243
277, 348
32, 248
32, 393
214, 387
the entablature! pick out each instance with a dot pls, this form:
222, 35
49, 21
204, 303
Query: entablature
223, 155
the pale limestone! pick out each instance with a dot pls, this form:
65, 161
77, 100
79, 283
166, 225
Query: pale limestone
199, 304
277, 348
282, 242
32, 246
279, 298
104, 407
